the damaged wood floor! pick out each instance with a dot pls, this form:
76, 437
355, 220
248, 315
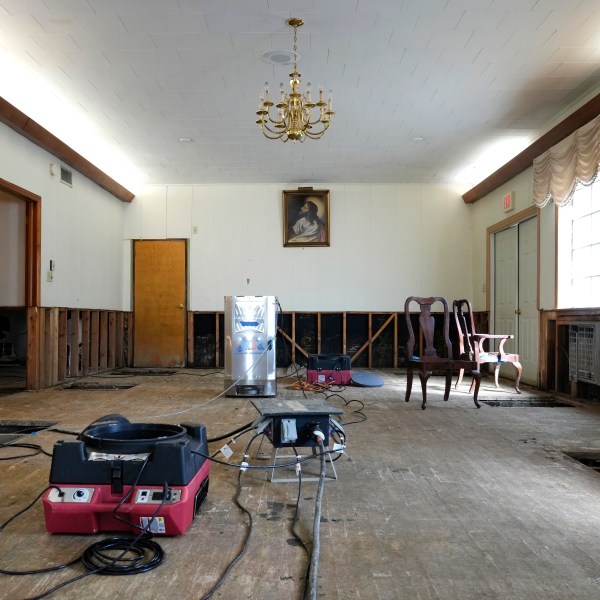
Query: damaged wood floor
444, 504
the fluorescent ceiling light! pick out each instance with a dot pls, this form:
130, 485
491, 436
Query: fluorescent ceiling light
490, 157
35, 97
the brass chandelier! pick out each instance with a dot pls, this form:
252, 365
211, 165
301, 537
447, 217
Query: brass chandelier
294, 118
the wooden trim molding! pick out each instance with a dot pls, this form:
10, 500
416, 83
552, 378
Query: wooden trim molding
35, 133
524, 160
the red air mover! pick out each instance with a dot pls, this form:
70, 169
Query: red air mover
122, 476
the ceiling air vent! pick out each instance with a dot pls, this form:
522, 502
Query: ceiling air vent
66, 176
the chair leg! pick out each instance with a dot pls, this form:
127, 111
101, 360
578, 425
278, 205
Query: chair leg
477, 381
459, 379
496, 373
409, 379
448, 384
424, 376
519, 369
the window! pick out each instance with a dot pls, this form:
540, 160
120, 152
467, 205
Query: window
579, 249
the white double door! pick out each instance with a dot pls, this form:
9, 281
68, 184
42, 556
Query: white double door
514, 294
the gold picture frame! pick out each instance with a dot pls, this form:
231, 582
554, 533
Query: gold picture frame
305, 218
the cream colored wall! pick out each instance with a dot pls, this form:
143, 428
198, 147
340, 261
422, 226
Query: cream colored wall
387, 242
82, 229
488, 212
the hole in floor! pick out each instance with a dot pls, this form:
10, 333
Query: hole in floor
143, 372
13, 430
588, 459
97, 385
530, 402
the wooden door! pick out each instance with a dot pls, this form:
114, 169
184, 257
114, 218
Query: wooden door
159, 303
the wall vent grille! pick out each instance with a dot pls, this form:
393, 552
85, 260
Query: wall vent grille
584, 353
66, 176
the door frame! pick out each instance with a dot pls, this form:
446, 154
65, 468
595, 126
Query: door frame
33, 251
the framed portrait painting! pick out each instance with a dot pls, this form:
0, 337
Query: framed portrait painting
305, 217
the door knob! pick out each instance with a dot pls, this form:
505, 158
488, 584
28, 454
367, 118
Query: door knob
180, 306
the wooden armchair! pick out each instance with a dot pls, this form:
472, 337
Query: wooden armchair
430, 361
472, 344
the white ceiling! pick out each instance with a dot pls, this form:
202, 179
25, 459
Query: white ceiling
458, 73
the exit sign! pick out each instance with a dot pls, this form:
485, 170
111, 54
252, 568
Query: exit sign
509, 201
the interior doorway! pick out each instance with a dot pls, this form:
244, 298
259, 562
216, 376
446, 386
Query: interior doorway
160, 292
514, 294
20, 234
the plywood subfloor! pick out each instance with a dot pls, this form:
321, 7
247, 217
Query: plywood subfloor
450, 503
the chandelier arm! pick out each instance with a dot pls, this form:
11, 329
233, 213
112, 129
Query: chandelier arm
314, 132
278, 122
276, 137
319, 132
314, 136
265, 125
318, 121
277, 134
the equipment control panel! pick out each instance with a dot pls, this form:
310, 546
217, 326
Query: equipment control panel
156, 496
71, 494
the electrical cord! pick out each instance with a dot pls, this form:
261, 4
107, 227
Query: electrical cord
327, 389
246, 541
221, 394
311, 574
147, 555
242, 429
313, 581
295, 523
244, 466
137, 555
38, 450
36, 447
64, 431
347, 403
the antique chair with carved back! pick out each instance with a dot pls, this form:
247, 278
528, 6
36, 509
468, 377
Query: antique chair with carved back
429, 360
472, 344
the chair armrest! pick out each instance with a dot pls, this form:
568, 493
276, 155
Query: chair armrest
488, 336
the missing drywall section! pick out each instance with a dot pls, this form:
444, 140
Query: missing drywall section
524, 402
13, 430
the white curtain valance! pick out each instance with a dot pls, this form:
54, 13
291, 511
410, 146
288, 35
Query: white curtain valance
572, 161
